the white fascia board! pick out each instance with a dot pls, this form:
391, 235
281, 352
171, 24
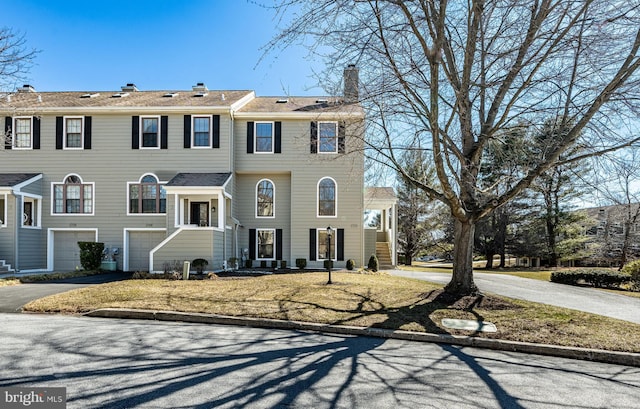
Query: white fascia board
299, 115
19, 186
192, 190
178, 109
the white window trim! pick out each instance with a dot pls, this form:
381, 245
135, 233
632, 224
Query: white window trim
53, 198
37, 201
3, 216
161, 183
193, 131
318, 199
141, 132
273, 216
273, 231
319, 144
64, 133
334, 233
14, 134
255, 137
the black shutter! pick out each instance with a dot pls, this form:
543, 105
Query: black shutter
249, 137
135, 132
59, 131
340, 245
277, 148
314, 137
87, 132
164, 132
278, 244
8, 134
187, 131
341, 137
216, 131
312, 245
252, 244
36, 132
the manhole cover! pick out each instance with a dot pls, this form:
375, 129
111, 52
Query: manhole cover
469, 325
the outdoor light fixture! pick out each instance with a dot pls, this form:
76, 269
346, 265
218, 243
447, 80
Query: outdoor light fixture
329, 253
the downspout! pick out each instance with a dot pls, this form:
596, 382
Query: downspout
16, 234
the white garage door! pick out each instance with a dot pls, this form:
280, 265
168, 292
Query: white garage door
66, 253
140, 244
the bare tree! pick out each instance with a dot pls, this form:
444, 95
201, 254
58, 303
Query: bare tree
15, 61
452, 75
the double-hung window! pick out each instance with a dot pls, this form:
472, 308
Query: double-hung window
73, 133
201, 132
328, 137
265, 194
73, 196
149, 132
327, 197
22, 133
147, 196
264, 137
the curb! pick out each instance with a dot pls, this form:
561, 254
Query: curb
585, 354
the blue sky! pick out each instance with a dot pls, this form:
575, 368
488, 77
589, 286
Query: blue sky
95, 45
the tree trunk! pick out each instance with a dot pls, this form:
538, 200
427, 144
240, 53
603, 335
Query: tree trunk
461, 283
489, 264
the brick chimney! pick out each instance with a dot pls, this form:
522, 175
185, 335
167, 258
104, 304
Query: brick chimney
351, 83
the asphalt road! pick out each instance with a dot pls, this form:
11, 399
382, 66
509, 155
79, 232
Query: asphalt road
561, 295
12, 298
148, 364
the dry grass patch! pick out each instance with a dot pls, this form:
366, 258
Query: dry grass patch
5, 282
354, 299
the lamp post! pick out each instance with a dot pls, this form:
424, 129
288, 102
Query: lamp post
329, 253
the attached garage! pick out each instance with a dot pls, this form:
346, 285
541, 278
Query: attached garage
66, 253
140, 243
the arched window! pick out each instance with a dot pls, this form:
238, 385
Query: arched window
147, 196
265, 194
327, 197
73, 196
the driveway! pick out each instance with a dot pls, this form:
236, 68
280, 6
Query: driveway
544, 292
12, 298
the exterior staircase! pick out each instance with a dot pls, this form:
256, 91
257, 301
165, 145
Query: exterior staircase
384, 255
4, 268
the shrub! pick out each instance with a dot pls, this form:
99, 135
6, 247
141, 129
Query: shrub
301, 263
373, 263
90, 254
328, 264
263, 263
633, 270
283, 263
248, 263
199, 264
274, 264
351, 264
594, 277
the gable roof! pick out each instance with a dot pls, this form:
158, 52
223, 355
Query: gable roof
199, 179
299, 106
379, 193
13, 179
134, 99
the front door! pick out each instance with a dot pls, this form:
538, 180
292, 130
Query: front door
200, 213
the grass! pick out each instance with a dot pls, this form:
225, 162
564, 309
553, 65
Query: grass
34, 278
354, 299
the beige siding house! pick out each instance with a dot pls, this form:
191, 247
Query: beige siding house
166, 176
